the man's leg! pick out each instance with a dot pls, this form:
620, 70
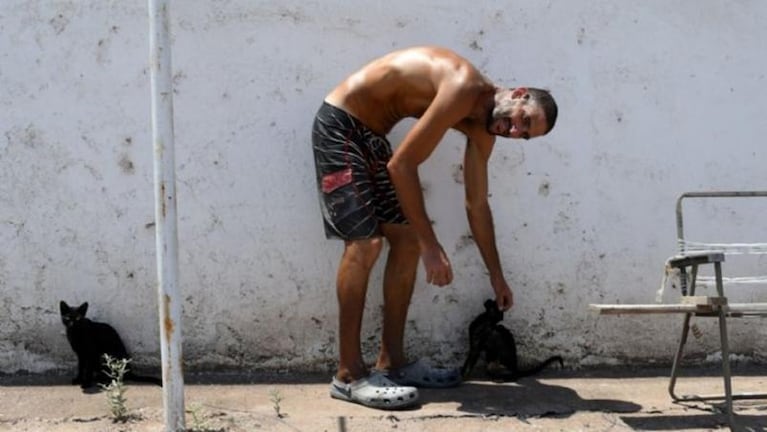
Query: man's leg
351, 285
399, 279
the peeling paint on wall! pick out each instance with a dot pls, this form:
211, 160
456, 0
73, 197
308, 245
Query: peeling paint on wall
582, 215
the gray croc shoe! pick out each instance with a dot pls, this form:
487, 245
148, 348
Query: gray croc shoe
374, 391
420, 374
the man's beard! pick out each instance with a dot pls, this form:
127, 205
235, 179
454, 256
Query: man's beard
490, 120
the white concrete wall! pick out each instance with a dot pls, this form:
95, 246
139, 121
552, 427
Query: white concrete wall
655, 98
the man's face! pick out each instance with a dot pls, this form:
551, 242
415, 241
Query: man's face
516, 116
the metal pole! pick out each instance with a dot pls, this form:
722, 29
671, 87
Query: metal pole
169, 297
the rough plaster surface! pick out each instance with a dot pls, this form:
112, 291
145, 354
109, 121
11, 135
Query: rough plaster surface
655, 99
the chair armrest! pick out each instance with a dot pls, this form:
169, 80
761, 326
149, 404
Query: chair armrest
679, 261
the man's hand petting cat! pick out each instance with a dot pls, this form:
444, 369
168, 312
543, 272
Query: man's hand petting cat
504, 297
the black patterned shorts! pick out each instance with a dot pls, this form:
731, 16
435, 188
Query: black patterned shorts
356, 193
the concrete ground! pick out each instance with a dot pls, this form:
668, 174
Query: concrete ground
599, 400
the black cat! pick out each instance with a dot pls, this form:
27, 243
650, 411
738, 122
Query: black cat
90, 340
497, 342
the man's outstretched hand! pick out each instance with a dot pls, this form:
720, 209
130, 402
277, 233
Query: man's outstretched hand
504, 297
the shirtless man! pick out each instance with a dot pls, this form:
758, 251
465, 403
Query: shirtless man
368, 192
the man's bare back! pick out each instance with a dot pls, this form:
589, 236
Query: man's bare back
404, 83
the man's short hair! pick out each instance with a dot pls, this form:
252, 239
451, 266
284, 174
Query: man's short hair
547, 103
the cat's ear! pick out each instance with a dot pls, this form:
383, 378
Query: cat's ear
83, 308
63, 306
490, 305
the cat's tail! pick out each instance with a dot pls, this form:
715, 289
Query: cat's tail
512, 376
130, 376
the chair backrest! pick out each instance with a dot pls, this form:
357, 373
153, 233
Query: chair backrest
687, 246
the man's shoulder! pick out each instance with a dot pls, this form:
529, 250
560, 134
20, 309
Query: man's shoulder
433, 50
433, 54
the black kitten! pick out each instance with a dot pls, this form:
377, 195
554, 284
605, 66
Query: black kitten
90, 340
497, 342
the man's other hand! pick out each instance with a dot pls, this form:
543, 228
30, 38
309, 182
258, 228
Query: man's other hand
438, 270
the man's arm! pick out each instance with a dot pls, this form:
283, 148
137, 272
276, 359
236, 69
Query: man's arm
452, 103
480, 216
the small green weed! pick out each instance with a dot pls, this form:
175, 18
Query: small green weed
276, 397
115, 390
199, 420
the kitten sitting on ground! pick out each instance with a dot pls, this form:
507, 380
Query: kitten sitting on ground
496, 341
90, 340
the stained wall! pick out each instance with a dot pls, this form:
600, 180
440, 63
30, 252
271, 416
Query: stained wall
655, 98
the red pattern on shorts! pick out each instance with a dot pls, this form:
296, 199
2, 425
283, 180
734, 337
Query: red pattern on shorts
333, 181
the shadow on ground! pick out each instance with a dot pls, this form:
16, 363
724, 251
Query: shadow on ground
195, 378
238, 376
712, 416
526, 398
714, 419
702, 421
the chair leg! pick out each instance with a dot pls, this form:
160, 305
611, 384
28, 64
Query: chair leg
725, 348
685, 330
678, 357
726, 368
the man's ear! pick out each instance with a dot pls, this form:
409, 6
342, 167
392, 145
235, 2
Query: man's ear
520, 92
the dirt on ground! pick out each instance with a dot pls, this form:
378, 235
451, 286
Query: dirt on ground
593, 400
